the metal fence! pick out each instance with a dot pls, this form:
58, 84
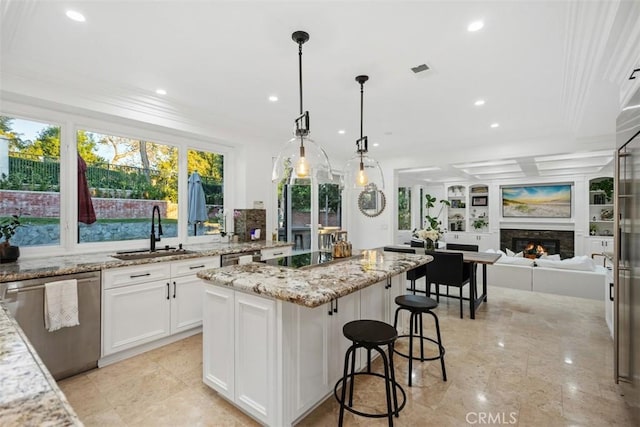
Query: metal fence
42, 173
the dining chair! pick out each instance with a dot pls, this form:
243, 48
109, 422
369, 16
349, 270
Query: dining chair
447, 268
413, 274
463, 247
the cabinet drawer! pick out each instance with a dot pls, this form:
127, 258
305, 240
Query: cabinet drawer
124, 276
275, 252
193, 265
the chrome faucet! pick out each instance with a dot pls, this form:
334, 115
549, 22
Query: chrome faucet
153, 238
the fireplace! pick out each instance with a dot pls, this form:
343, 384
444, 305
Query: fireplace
537, 247
554, 241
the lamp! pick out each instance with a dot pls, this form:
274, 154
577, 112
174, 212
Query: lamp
301, 160
362, 171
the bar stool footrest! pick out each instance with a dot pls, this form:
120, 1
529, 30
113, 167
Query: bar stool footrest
366, 414
406, 356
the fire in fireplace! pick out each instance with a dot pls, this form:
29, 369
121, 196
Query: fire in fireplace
534, 250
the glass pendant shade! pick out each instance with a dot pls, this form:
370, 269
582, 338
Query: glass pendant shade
363, 173
302, 162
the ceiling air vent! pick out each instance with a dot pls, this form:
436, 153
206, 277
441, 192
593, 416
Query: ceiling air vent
420, 68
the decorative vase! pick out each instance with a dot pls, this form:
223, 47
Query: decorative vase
429, 244
9, 254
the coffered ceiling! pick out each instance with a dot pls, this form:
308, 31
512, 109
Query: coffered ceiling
552, 75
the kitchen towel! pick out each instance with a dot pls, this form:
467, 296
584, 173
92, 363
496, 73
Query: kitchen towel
61, 304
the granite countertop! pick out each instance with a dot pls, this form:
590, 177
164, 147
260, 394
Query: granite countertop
315, 286
30, 395
32, 268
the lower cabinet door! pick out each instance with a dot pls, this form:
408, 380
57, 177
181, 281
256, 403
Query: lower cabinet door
218, 341
135, 315
348, 309
255, 363
306, 333
186, 303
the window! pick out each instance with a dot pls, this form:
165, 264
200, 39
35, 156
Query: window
404, 208
30, 180
123, 180
206, 185
329, 205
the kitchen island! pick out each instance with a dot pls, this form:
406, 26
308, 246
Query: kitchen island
272, 336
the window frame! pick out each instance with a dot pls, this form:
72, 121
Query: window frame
70, 123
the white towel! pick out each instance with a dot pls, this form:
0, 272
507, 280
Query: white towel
61, 304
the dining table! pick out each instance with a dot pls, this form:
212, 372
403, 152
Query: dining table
473, 259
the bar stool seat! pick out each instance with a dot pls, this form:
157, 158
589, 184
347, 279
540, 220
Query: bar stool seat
370, 335
417, 305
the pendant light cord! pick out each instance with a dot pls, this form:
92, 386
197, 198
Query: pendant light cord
300, 73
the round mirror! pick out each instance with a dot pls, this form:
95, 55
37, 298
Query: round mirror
371, 202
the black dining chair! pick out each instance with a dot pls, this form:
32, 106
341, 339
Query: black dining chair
463, 247
447, 268
413, 274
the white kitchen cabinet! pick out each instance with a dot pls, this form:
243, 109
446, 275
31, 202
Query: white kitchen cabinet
186, 292
278, 252
255, 356
345, 309
218, 340
135, 315
146, 303
483, 240
598, 245
239, 350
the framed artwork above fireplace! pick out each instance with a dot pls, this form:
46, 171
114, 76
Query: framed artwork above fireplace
537, 201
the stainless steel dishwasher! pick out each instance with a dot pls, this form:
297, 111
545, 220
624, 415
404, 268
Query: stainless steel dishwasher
67, 351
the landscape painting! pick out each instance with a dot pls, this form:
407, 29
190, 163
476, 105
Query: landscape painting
537, 201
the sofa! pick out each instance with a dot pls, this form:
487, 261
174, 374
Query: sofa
576, 277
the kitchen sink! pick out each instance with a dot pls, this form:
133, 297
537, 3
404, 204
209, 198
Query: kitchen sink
145, 253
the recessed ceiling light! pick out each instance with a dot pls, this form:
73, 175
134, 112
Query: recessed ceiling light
479, 102
273, 98
475, 26
342, 132
495, 125
375, 144
75, 16
161, 91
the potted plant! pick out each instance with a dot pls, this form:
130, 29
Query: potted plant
9, 253
480, 223
433, 222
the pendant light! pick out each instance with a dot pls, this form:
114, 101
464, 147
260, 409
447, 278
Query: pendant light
362, 171
301, 160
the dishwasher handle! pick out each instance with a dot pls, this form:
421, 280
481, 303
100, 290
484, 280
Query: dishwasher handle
12, 291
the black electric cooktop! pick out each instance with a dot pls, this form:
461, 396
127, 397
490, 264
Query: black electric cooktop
306, 260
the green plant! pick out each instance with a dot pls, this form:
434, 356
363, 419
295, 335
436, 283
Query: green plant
8, 228
479, 223
605, 185
434, 221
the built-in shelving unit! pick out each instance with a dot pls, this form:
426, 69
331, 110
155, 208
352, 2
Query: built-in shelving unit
456, 214
601, 207
479, 208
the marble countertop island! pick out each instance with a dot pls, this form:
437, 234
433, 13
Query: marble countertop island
29, 396
319, 285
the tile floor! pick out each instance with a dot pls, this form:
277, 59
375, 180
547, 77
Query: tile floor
528, 360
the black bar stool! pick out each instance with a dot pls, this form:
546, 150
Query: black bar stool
416, 305
371, 335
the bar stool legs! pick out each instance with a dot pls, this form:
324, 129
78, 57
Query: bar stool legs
417, 305
370, 335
